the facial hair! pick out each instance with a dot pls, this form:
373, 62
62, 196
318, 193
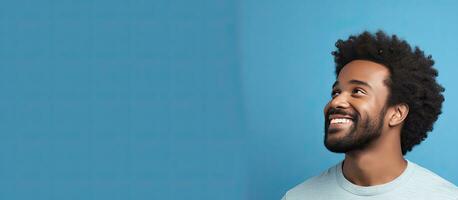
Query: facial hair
360, 134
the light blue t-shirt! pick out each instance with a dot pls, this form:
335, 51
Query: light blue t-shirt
415, 182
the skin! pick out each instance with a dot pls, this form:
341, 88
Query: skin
380, 160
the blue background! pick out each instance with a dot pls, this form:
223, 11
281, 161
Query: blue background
140, 99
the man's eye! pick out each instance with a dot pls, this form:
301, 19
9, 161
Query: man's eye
335, 93
359, 91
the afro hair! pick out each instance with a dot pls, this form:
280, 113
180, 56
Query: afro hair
412, 79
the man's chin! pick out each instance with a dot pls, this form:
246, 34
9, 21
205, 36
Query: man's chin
334, 146
335, 150
337, 141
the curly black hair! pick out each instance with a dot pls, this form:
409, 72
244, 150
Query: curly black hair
412, 79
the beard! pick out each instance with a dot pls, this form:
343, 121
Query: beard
358, 136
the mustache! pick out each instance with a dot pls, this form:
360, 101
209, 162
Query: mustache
340, 112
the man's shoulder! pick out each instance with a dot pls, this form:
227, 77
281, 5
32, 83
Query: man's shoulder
314, 184
427, 180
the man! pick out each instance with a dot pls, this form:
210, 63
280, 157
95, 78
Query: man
384, 102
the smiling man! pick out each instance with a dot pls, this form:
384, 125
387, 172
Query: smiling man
384, 102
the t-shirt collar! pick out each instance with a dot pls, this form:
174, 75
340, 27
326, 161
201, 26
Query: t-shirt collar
372, 190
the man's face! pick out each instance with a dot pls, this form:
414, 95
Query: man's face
355, 115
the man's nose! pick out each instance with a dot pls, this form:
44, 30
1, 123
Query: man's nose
340, 101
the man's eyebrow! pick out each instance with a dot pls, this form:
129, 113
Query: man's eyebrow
353, 81
358, 82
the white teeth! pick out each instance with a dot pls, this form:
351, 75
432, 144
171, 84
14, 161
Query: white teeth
340, 121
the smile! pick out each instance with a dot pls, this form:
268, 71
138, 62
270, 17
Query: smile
340, 121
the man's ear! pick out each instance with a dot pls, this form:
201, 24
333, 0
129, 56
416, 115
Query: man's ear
399, 115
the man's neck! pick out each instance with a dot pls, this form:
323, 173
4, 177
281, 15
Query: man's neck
368, 168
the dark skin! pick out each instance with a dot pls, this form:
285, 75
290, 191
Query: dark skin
360, 88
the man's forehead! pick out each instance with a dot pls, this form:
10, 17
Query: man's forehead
363, 72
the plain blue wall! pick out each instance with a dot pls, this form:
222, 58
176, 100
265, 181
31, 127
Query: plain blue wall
120, 100
189, 99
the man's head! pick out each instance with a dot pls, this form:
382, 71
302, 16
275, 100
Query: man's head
381, 84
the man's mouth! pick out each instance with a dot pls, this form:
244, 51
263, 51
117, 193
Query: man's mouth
338, 121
